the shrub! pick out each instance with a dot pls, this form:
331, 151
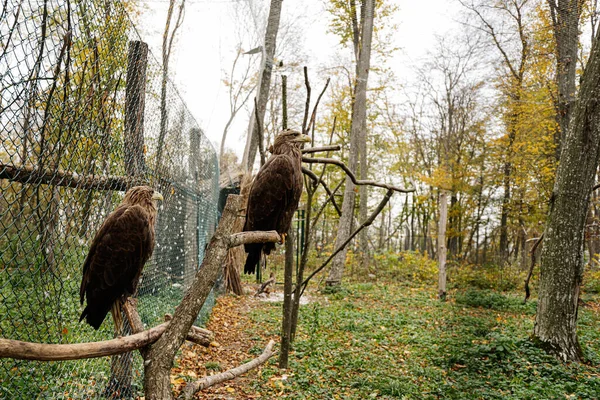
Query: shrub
591, 280
408, 266
464, 276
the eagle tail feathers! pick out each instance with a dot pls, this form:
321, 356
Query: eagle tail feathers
252, 260
94, 317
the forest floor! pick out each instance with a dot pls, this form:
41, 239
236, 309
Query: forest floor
377, 340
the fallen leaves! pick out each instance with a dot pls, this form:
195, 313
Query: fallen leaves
232, 346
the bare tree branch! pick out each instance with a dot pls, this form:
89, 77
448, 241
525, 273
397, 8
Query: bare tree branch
335, 147
59, 352
316, 180
353, 178
307, 104
366, 223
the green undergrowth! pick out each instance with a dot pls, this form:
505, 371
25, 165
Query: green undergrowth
396, 341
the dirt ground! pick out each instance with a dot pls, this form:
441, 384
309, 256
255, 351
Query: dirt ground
232, 347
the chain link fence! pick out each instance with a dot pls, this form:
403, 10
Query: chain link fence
85, 113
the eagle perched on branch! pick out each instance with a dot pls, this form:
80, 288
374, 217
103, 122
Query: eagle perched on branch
275, 193
120, 249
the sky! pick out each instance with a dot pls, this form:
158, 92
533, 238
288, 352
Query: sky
205, 46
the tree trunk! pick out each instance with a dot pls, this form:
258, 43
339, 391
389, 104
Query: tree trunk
286, 324
363, 204
443, 205
359, 117
265, 83
561, 265
565, 20
160, 356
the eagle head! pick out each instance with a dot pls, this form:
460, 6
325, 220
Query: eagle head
145, 197
289, 141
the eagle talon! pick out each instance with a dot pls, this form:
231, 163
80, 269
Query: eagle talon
282, 236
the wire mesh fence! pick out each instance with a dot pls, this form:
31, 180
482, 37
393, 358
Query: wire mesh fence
85, 113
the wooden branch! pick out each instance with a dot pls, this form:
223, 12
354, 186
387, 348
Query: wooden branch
313, 116
353, 178
263, 288
307, 103
77, 351
324, 204
208, 381
366, 223
240, 238
59, 352
33, 175
335, 147
317, 180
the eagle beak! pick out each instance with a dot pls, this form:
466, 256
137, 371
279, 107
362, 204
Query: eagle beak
157, 196
303, 139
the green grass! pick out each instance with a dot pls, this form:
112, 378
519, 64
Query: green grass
394, 341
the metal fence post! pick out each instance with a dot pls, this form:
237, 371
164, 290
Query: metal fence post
135, 167
135, 93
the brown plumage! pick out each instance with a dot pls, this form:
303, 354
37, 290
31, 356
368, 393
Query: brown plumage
275, 193
120, 249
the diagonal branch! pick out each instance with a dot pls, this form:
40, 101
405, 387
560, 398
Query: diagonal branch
208, 381
316, 180
366, 223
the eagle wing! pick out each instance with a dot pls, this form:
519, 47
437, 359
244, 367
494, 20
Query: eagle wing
273, 192
115, 261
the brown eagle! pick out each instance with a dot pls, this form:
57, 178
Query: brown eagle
120, 249
275, 193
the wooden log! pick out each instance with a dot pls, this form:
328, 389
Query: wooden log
208, 381
265, 286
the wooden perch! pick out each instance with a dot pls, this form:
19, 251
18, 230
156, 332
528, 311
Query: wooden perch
240, 238
32, 175
59, 352
353, 178
208, 381
335, 147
